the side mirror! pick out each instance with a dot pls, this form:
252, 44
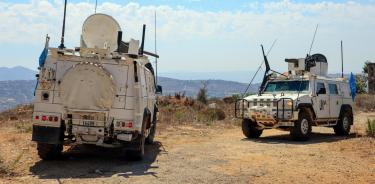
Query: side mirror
159, 89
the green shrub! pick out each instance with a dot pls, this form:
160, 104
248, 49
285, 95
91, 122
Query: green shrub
23, 127
370, 128
202, 93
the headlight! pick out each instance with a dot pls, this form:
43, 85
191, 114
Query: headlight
290, 103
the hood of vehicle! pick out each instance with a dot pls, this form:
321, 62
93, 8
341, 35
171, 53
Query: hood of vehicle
275, 96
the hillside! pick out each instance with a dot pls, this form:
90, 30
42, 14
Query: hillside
215, 88
16, 92
16, 73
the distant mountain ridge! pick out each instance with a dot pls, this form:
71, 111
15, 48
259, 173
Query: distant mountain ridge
215, 88
16, 73
17, 86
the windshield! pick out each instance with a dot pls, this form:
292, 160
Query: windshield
290, 86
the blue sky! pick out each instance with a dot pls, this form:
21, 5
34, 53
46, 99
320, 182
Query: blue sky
202, 35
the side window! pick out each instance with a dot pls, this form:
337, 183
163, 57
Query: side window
333, 89
320, 88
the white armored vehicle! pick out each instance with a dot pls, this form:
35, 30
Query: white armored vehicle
102, 93
297, 100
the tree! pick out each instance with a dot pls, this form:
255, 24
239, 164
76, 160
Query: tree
361, 83
202, 93
362, 79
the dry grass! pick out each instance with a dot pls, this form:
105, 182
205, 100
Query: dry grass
5, 169
17, 113
365, 102
183, 110
24, 126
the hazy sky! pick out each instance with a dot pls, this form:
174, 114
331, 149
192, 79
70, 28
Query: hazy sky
201, 35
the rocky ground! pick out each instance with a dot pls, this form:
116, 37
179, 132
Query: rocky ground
198, 153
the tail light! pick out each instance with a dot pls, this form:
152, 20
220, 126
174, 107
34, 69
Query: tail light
125, 124
129, 124
47, 118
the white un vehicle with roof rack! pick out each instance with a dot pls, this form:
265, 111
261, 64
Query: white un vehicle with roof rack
297, 100
102, 93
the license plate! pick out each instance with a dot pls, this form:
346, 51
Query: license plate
88, 123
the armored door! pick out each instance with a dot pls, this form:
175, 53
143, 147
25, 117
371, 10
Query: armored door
321, 100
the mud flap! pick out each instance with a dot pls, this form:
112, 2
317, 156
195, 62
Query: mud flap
48, 135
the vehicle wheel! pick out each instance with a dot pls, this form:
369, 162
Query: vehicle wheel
138, 153
343, 125
250, 130
151, 136
302, 127
49, 151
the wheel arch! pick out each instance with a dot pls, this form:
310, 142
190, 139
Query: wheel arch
309, 106
147, 114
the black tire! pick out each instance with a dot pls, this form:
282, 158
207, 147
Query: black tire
302, 127
151, 136
138, 153
49, 151
343, 125
250, 130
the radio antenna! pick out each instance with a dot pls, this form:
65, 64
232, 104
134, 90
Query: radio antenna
156, 59
96, 5
312, 42
342, 61
260, 66
62, 46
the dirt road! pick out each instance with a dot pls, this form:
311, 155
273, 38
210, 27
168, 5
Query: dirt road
202, 154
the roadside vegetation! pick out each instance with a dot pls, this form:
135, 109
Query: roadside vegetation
370, 128
365, 102
179, 109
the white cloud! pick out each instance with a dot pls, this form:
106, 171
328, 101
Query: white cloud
291, 22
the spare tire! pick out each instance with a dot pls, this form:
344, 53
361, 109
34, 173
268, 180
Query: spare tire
87, 86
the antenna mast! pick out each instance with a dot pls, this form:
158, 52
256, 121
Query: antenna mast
260, 66
96, 5
156, 59
342, 61
312, 43
62, 46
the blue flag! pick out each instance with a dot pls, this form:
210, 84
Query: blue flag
353, 85
43, 57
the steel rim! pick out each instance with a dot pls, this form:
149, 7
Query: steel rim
345, 122
304, 126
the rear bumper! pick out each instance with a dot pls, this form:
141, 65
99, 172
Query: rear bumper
49, 135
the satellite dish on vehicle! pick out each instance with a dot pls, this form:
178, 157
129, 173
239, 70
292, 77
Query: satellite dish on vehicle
100, 31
